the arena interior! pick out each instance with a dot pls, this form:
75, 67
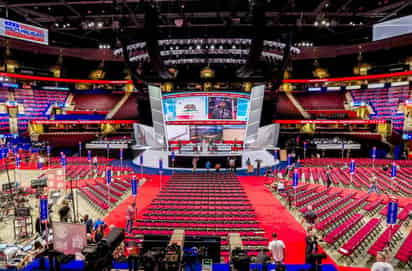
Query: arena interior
205, 135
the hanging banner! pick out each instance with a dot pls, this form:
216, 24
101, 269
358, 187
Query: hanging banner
392, 212
39, 164
141, 159
48, 150
89, 156
173, 156
108, 175
134, 186
17, 30
18, 161
393, 171
121, 153
295, 178
374, 152
352, 167
80, 148
289, 160
44, 208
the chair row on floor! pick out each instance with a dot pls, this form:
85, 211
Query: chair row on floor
204, 204
360, 162
399, 185
102, 196
353, 225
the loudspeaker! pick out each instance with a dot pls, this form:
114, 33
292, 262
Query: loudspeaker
23, 212
8, 186
114, 238
37, 183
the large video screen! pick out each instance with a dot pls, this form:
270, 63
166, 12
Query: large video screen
207, 106
206, 132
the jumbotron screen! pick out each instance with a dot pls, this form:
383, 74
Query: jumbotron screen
194, 106
192, 116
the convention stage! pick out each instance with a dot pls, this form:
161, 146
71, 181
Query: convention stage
183, 161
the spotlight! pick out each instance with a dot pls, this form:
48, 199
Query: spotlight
327, 24
99, 24
221, 47
212, 47
323, 22
56, 24
233, 46
198, 47
316, 23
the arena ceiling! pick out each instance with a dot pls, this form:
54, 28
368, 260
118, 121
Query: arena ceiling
90, 23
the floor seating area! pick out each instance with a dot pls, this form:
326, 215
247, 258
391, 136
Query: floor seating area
354, 224
75, 160
399, 185
360, 162
385, 103
204, 204
102, 196
86, 171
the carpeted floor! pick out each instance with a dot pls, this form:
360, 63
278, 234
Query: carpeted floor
146, 193
274, 217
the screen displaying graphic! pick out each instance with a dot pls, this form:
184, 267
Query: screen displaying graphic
205, 132
185, 108
222, 108
206, 106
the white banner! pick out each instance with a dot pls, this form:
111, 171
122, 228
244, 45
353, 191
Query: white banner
17, 30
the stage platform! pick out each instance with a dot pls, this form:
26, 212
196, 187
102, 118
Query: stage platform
183, 161
79, 265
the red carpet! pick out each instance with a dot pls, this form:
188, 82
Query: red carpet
274, 217
146, 194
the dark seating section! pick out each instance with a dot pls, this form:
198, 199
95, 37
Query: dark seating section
385, 103
36, 103
204, 204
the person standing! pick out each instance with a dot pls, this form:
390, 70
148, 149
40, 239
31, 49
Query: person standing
311, 250
262, 259
310, 217
130, 216
232, 164
328, 178
89, 223
64, 212
278, 249
194, 164
373, 188
381, 264
208, 165
133, 252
